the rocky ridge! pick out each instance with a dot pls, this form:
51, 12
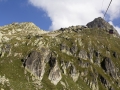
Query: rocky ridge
78, 57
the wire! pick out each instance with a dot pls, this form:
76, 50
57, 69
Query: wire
107, 8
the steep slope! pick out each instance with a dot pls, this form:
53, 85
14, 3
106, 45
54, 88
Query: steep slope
73, 58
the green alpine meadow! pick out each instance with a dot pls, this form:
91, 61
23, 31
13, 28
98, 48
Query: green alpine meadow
72, 58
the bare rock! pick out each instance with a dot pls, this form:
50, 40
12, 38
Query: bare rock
102, 24
83, 54
63, 67
64, 48
36, 61
105, 83
109, 67
74, 73
73, 49
55, 74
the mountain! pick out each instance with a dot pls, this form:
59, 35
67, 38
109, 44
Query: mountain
74, 58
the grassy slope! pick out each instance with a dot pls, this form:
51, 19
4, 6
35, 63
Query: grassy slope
15, 72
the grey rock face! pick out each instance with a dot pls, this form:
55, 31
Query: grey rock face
83, 55
115, 55
55, 73
64, 67
73, 49
36, 61
109, 67
94, 84
74, 73
105, 83
64, 48
83, 64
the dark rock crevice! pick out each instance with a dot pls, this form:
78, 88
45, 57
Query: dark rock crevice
109, 67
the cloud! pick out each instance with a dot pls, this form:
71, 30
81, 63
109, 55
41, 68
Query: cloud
116, 27
64, 13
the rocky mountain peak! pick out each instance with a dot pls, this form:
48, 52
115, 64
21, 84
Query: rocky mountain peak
102, 24
99, 23
25, 26
19, 30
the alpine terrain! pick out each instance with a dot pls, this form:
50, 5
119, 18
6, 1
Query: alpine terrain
73, 58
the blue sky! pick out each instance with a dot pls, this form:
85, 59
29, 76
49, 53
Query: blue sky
54, 14
21, 11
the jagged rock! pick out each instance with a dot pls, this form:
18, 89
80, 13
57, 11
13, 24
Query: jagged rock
115, 55
7, 48
36, 61
71, 29
94, 84
109, 67
105, 82
83, 55
80, 42
97, 54
83, 64
73, 49
84, 73
64, 48
90, 56
55, 73
53, 60
101, 23
73, 72
63, 66
97, 61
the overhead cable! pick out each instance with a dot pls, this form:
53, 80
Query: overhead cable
107, 8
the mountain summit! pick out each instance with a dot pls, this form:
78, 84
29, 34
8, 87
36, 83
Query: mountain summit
74, 58
99, 23
102, 24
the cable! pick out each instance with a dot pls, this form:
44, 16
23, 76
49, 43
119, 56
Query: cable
107, 8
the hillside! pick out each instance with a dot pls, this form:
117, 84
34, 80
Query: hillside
72, 58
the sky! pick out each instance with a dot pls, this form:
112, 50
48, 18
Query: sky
54, 14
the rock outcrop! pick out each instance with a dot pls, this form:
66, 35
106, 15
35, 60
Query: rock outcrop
109, 67
55, 74
36, 62
102, 24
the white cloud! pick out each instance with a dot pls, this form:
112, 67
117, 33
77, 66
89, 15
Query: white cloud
64, 13
116, 27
